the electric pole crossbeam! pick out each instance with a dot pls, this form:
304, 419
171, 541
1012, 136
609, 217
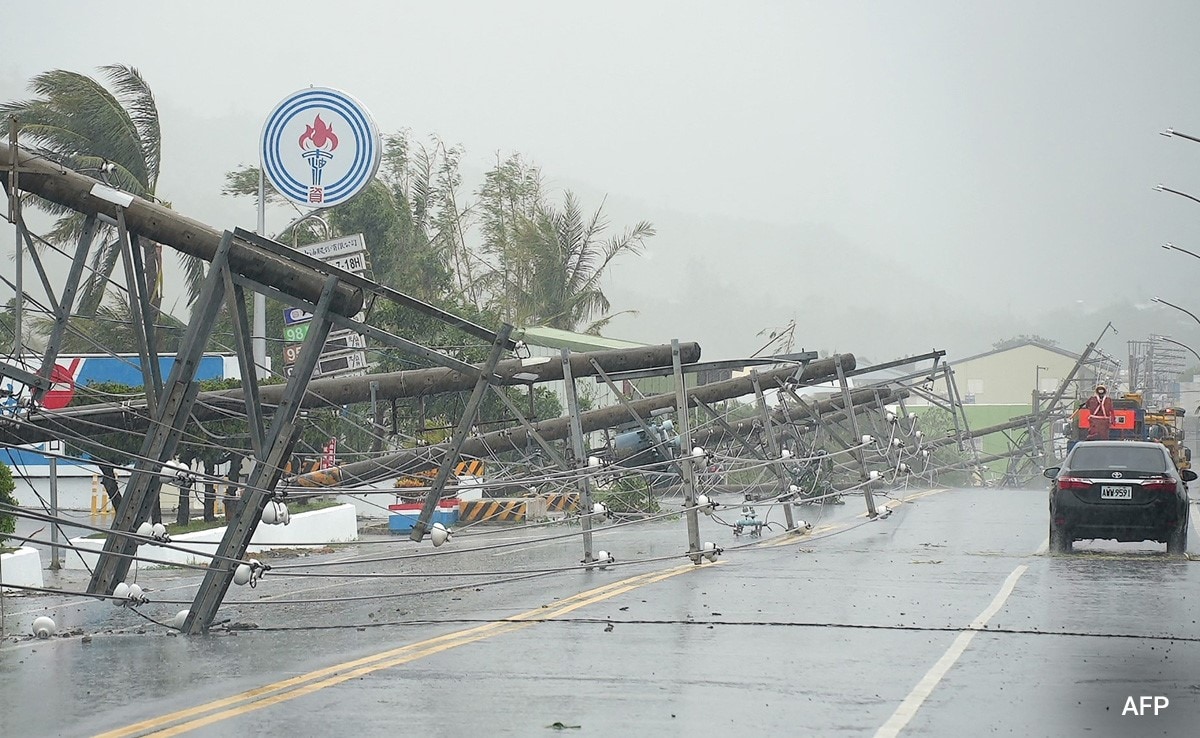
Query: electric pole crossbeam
772, 446
260, 487
516, 439
159, 446
422, 523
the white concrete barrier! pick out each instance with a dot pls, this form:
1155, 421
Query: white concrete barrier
22, 567
315, 528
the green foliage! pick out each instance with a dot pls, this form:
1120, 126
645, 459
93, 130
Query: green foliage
537, 264
111, 133
212, 441
116, 448
408, 216
548, 260
937, 423
110, 329
8, 521
629, 494
82, 124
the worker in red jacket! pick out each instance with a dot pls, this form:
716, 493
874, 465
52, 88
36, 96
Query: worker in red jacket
1100, 414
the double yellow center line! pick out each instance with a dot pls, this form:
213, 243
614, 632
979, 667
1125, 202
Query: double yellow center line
794, 537
199, 716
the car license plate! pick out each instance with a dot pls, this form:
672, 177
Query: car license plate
1111, 492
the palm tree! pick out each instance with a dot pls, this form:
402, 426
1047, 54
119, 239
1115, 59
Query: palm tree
408, 216
109, 329
109, 133
553, 263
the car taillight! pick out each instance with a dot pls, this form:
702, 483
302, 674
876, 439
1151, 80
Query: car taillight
1159, 485
1074, 483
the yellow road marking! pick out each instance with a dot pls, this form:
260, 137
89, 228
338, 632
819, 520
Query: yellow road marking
791, 537
794, 537
288, 689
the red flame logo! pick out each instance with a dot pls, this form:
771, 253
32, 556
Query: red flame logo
318, 135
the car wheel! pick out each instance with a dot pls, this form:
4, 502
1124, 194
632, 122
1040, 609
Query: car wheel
1177, 539
1060, 540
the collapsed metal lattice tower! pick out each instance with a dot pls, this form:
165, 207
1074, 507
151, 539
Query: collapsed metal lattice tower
239, 261
242, 262
1154, 368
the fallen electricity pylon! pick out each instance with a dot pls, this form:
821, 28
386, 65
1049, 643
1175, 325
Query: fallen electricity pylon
80, 422
518, 438
863, 432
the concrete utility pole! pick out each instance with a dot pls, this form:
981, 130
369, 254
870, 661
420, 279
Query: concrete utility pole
465, 424
577, 452
860, 400
151, 220
338, 391
686, 460
772, 447
516, 438
14, 216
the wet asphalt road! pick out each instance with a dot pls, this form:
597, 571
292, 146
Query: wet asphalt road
858, 628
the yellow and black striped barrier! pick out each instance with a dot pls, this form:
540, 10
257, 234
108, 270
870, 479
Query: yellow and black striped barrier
492, 511
472, 467
425, 477
562, 502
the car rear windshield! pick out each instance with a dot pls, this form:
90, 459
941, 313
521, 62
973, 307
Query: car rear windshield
1119, 457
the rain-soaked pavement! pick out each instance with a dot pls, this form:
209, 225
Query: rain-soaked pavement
944, 618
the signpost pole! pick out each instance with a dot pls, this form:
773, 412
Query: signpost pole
319, 148
259, 339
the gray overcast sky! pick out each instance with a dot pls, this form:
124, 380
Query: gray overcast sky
940, 172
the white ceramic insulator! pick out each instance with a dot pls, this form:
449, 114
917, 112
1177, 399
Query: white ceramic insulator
44, 627
438, 534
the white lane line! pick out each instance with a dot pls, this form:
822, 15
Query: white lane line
912, 703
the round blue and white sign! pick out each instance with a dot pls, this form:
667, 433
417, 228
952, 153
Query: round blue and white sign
320, 147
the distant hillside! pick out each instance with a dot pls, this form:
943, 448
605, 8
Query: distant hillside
721, 280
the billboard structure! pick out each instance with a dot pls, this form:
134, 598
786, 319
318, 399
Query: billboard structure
75, 371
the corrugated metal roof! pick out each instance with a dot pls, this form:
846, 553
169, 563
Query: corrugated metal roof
556, 338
